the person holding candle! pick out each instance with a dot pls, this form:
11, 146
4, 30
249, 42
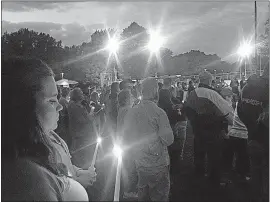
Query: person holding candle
98, 111
85, 177
30, 169
147, 134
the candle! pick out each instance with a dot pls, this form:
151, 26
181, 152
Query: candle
95, 153
118, 153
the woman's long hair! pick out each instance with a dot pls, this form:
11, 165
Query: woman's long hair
22, 133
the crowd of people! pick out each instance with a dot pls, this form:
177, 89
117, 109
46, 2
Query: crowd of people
49, 134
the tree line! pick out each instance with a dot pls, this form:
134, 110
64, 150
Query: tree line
85, 62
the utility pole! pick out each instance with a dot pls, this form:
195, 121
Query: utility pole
255, 41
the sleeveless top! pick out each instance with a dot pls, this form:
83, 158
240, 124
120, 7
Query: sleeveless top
72, 190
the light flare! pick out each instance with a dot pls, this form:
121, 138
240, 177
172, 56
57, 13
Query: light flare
156, 41
245, 49
117, 151
113, 45
99, 140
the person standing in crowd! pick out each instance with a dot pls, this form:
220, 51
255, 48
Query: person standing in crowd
180, 92
236, 144
99, 113
242, 83
128, 85
30, 170
184, 86
82, 129
180, 126
112, 107
103, 94
148, 133
209, 115
190, 86
63, 127
86, 93
172, 111
160, 86
253, 103
234, 85
129, 172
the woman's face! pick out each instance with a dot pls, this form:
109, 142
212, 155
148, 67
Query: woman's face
47, 105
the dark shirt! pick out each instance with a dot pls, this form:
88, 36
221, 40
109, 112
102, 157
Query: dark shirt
207, 112
180, 95
63, 123
254, 98
165, 103
190, 88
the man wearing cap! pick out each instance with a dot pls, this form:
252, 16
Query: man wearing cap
147, 136
209, 114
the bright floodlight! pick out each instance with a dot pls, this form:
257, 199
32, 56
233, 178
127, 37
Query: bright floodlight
117, 151
156, 41
113, 45
245, 50
99, 140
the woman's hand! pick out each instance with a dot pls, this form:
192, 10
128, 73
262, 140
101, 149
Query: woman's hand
86, 177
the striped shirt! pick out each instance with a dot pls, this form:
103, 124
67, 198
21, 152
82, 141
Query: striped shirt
238, 129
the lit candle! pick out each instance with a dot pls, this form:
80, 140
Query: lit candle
95, 153
118, 153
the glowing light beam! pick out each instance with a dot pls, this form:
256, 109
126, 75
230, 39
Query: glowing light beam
113, 45
245, 49
156, 41
117, 151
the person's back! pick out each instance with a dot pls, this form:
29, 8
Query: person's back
112, 106
82, 128
165, 102
253, 110
144, 122
254, 95
148, 133
180, 92
190, 87
209, 115
79, 121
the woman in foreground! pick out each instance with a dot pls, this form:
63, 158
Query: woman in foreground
30, 171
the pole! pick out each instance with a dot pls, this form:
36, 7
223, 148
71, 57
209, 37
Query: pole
260, 64
255, 41
240, 71
245, 69
114, 72
117, 180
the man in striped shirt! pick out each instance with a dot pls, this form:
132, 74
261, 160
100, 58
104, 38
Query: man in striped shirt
209, 115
